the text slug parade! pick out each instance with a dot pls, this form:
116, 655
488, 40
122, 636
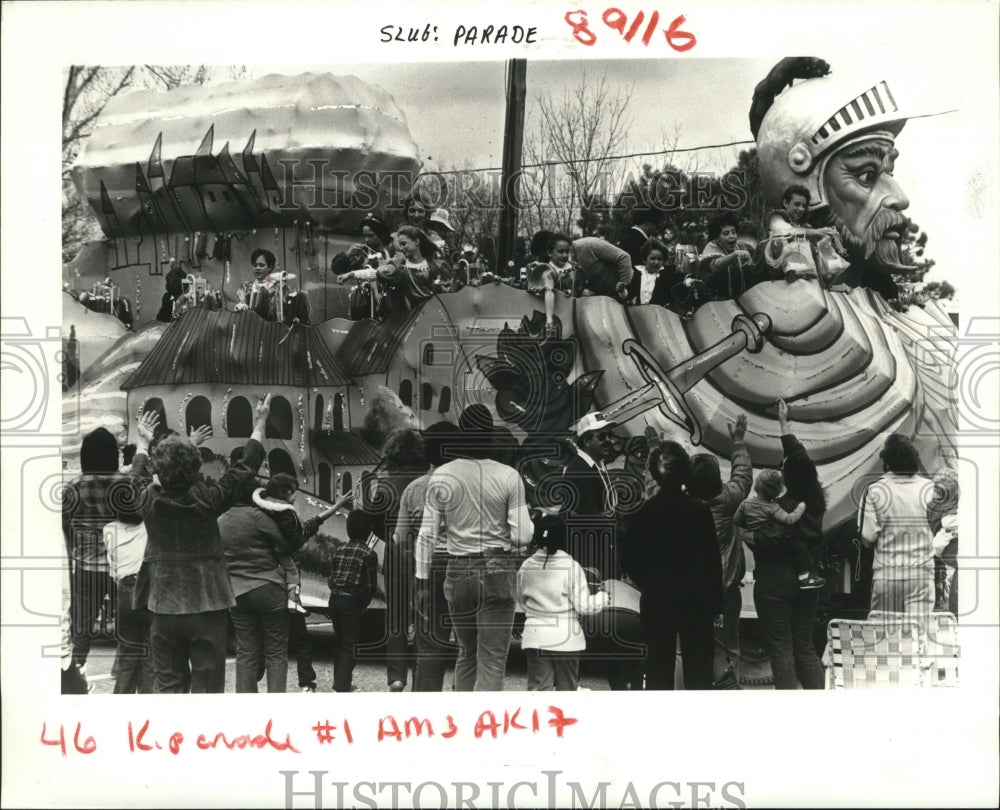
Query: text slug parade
642, 27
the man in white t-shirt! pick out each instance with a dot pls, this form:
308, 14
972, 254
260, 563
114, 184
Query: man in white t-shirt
480, 505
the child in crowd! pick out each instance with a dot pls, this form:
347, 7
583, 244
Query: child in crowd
553, 590
353, 569
276, 499
125, 540
761, 513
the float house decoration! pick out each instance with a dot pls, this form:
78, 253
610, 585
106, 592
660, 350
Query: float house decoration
852, 368
209, 370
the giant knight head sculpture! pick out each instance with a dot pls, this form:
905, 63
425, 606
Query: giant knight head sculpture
836, 137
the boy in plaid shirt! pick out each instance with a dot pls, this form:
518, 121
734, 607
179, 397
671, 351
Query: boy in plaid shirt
352, 585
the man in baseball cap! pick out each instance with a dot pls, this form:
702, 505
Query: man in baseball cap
589, 481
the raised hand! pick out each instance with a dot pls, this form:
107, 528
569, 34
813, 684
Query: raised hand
260, 412
200, 435
784, 415
738, 431
148, 423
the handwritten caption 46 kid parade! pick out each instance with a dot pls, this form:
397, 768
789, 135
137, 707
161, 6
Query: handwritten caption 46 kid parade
142, 736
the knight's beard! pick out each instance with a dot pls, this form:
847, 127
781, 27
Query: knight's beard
872, 249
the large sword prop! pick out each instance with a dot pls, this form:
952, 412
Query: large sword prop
665, 390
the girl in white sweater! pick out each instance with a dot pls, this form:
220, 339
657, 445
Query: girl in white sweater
552, 589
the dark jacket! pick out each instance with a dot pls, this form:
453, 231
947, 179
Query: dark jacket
587, 488
723, 506
382, 502
294, 531
256, 553
672, 555
661, 289
184, 567
802, 481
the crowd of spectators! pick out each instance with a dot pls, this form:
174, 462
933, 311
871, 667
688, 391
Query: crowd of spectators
467, 540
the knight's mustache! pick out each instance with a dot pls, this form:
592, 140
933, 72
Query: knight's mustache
886, 220
872, 243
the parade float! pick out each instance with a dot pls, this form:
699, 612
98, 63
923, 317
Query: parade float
851, 367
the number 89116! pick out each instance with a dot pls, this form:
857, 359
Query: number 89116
617, 20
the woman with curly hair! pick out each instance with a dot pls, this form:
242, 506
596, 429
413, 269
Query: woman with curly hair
405, 460
183, 581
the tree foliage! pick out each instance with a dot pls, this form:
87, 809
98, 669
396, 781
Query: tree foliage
571, 146
87, 92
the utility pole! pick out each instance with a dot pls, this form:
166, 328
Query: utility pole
513, 137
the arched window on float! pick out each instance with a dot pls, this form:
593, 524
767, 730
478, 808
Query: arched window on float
279, 461
426, 397
346, 483
445, 404
325, 482
406, 393
197, 413
279, 419
338, 412
318, 413
239, 418
155, 405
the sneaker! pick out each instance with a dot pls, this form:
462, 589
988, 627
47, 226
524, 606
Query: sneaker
308, 688
397, 686
811, 582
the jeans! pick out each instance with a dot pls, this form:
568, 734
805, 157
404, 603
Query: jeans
398, 611
787, 615
662, 624
347, 611
87, 591
481, 593
298, 643
198, 638
260, 619
552, 670
435, 649
727, 637
134, 656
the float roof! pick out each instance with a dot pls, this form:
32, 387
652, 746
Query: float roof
370, 347
238, 348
